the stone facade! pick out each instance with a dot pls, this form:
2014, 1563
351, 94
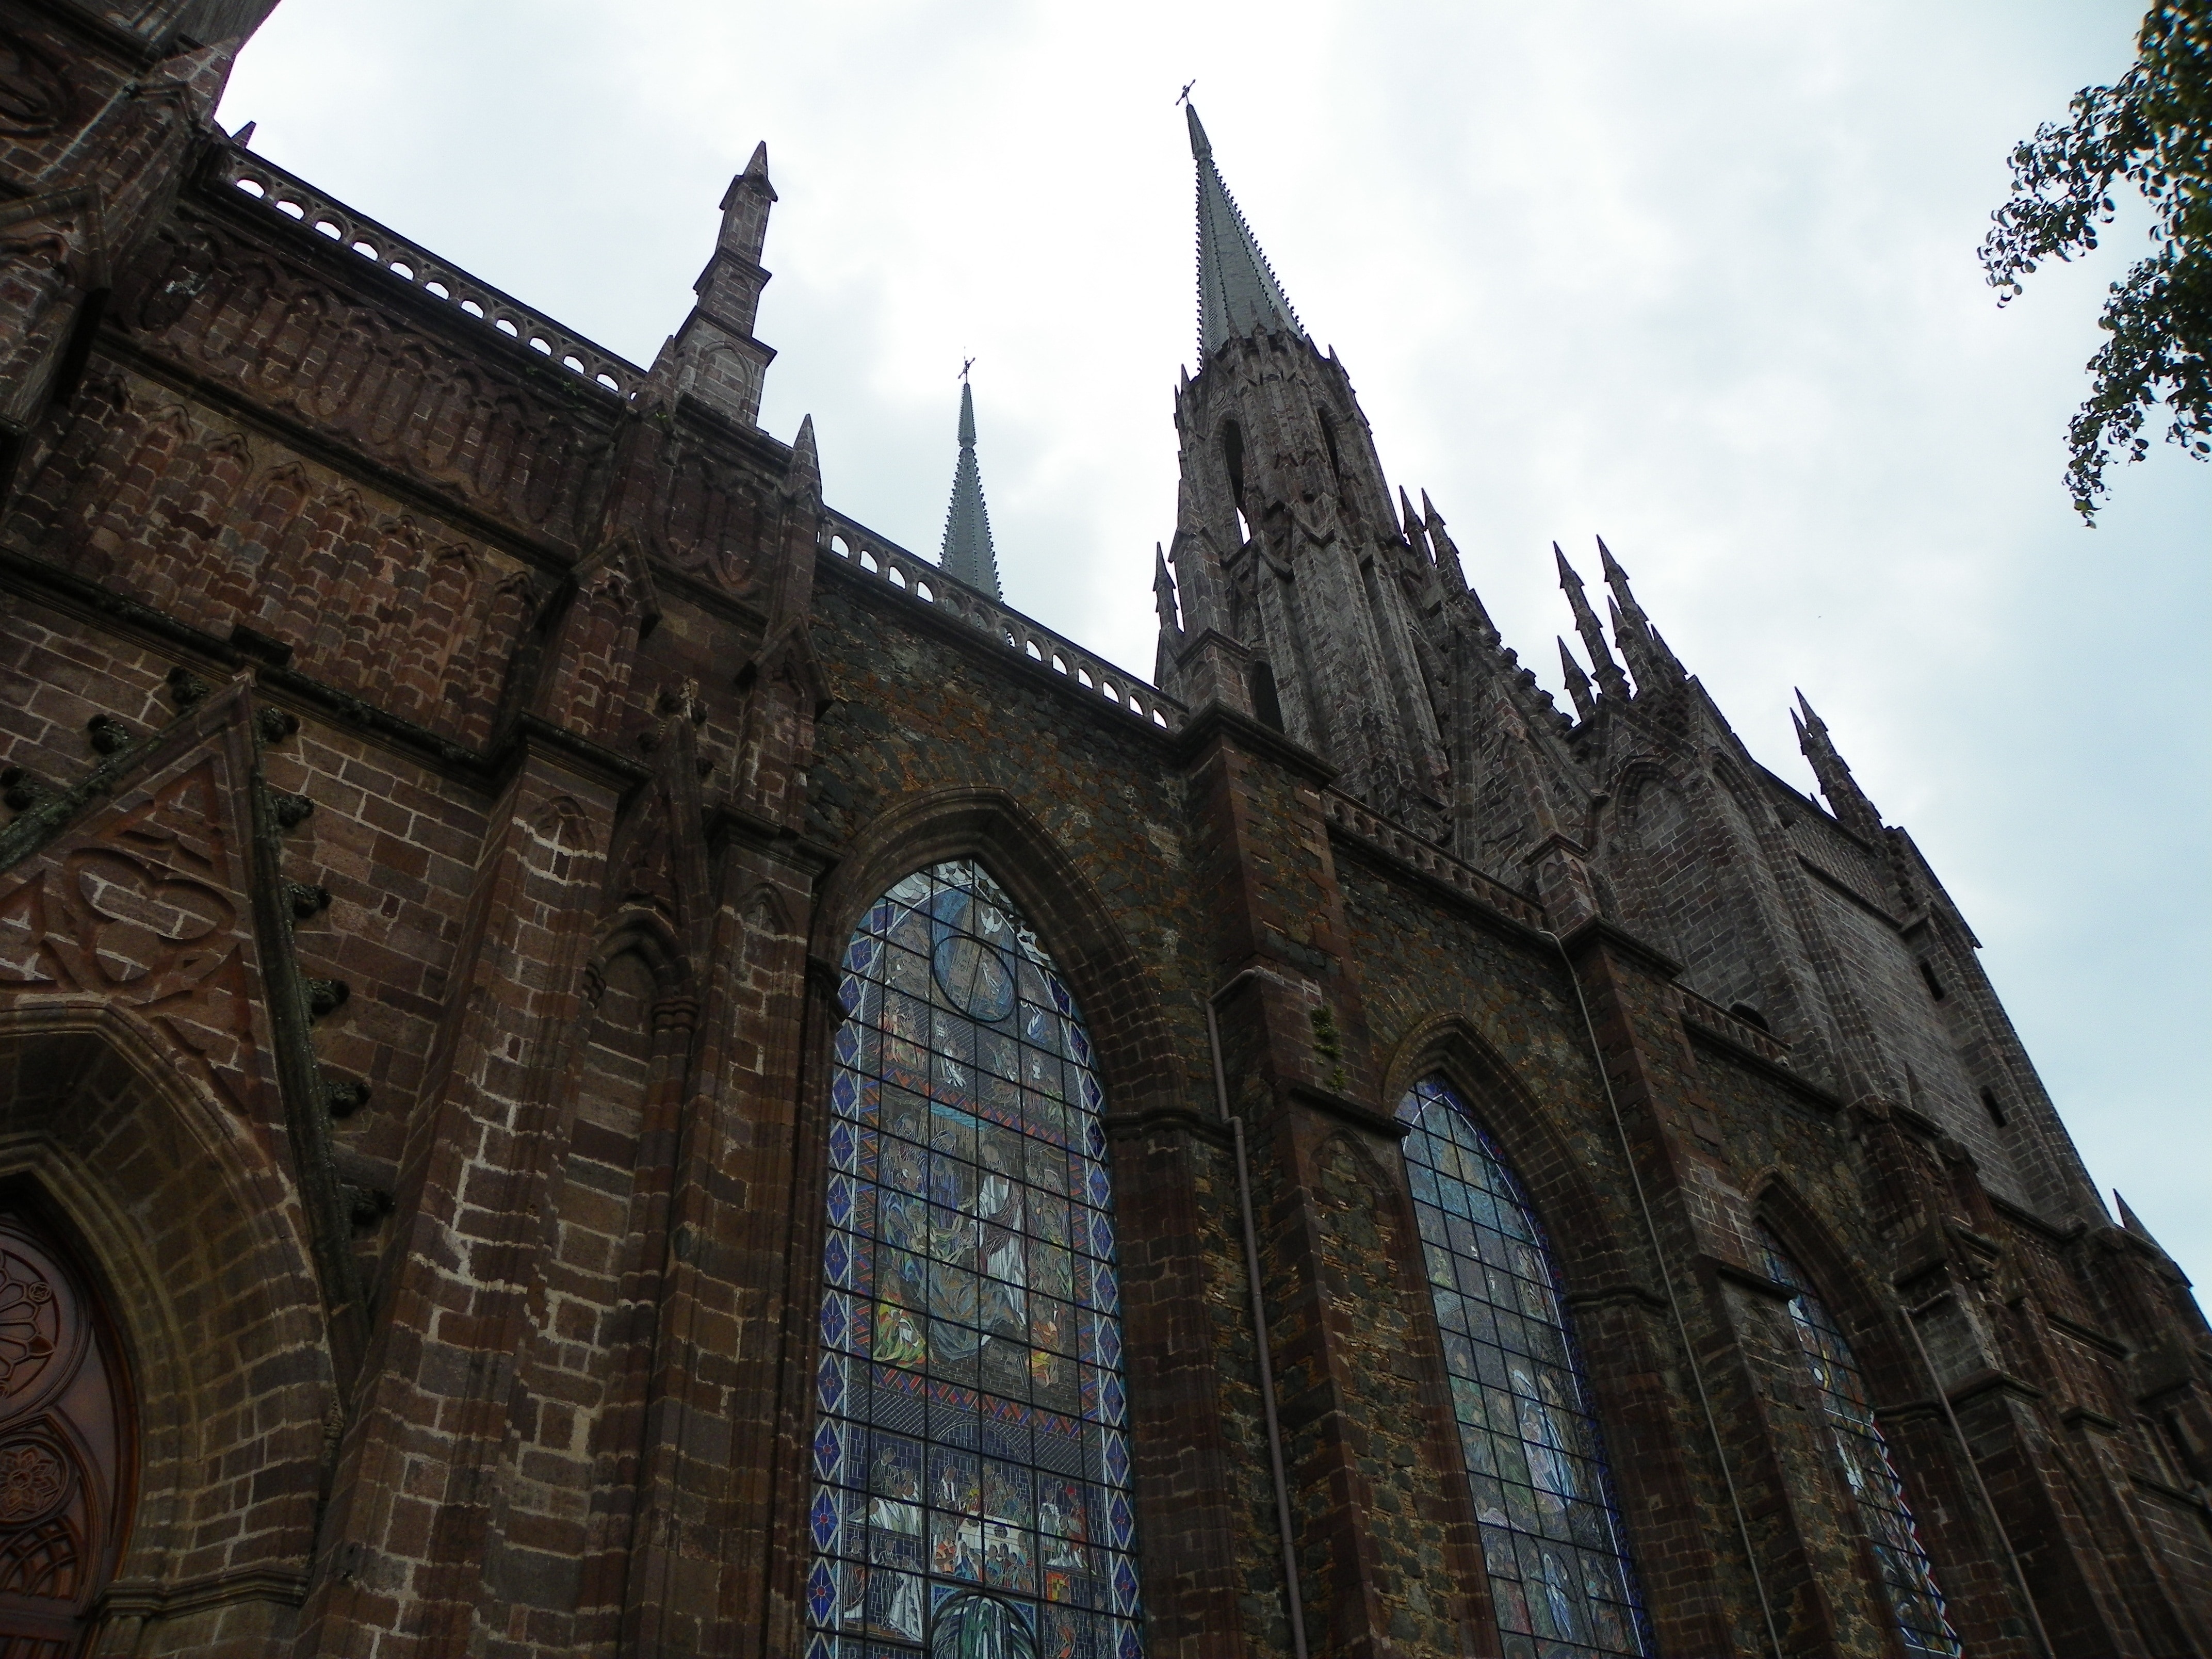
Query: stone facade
445, 764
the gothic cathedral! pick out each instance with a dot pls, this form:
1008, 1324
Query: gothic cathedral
596, 1059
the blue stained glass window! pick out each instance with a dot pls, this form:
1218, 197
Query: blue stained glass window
1551, 1537
971, 1460
1907, 1577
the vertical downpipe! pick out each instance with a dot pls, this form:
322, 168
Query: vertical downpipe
1974, 1467
1259, 1324
1674, 1301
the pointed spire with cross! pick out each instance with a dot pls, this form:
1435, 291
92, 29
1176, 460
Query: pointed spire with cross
968, 556
1237, 293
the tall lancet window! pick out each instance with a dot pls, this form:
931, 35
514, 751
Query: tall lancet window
970, 1454
1552, 1536
1907, 1577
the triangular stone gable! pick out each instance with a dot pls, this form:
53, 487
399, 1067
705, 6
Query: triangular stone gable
146, 901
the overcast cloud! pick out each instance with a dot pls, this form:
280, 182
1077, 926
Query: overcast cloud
1697, 274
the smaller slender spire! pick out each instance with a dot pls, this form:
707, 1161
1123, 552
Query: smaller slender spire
1415, 532
802, 474
1237, 293
1164, 594
968, 556
1663, 663
1845, 798
1634, 646
1578, 685
1417, 543
2133, 1223
1611, 681
1448, 564
713, 356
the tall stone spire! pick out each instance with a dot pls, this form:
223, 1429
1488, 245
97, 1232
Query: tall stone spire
968, 556
1237, 293
1303, 579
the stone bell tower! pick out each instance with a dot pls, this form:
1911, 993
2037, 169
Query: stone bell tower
1293, 594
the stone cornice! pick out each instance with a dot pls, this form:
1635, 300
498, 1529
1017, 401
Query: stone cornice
1215, 721
1345, 1109
1598, 930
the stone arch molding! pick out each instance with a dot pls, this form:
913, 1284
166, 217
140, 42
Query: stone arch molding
634, 930
1869, 1320
174, 1203
1112, 986
1553, 1172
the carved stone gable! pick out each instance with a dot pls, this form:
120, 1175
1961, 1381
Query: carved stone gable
145, 903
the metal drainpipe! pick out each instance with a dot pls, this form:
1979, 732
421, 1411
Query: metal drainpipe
1673, 1302
1259, 1323
2026, 1595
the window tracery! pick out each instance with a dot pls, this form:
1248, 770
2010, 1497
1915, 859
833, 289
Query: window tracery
970, 1457
65, 1451
1908, 1578
1553, 1542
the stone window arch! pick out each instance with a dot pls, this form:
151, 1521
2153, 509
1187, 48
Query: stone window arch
970, 1457
1561, 1579
1908, 1577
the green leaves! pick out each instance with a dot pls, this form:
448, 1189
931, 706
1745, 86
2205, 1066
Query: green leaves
2151, 129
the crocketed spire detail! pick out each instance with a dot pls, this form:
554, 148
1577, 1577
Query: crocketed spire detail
968, 556
1237, 293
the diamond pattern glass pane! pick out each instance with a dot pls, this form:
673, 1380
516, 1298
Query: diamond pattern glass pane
970, 1451
1907, 1577
1552, 1536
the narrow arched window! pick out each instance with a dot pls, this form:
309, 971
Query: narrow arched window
1907, 1577
1551, 1537
971, 1453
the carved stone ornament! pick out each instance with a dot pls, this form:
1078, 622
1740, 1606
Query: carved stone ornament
144, 903
64, 1443
33, 1481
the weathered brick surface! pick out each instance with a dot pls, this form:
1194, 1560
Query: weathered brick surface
440, 786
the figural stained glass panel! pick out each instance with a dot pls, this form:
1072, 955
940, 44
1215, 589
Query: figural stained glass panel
1551, 1537
1907, 1577
970, 1456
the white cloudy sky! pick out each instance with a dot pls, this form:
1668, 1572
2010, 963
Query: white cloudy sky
1697, 274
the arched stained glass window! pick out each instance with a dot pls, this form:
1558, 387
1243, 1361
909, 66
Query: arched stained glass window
1907, 1577
1551, 1537
970, 1454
